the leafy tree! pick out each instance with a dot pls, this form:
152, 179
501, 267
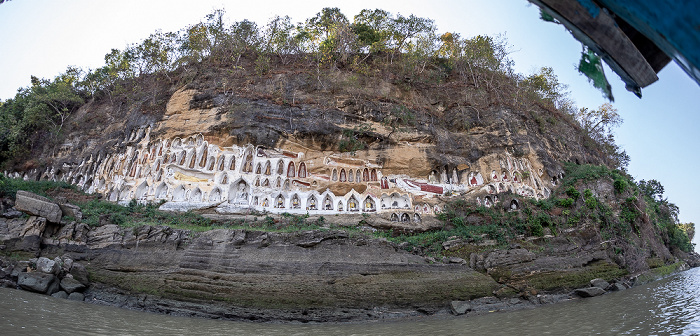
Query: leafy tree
546, 84
689, 229
52, 101
403, 29
600, 122
325, 22
372, 28
652, 189
279, 38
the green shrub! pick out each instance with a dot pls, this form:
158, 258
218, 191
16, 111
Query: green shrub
565, 202
572, 192
620, 185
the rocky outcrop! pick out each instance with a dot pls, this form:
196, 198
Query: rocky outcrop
36, 281
318, 275
36, 205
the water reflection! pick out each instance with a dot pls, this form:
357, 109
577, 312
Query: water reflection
668, 307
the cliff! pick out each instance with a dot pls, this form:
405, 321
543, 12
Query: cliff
395, 197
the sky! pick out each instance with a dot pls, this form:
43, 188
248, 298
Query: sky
660, 134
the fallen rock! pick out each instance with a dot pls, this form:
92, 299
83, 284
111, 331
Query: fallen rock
33, 227
456, 260
75, 296
460, 307
36, 205
617, 287
67, 264
60, 295
54, 287
71, 210
46, 265
600, 283
71, 285
35, 281
79, 273
589, 291
12, 213
508, 257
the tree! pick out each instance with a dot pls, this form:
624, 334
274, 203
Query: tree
52, 101
689, 229
599, 123
546, 84
372, 29
652, 189
279, 38
403, 29
325, 21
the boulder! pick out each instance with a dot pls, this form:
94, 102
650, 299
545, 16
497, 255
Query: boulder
35, 281
71, 210
12, 213
60, 295
34, 226
46, 265
36, 205
79, 273
75, 296
67, 264
617, 287
54, 287
71, 285
460, 307
589, 291
508, 257
456, 260
600, 283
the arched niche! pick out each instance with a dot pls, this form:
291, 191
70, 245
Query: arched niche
161, 191
238, 193
215, 195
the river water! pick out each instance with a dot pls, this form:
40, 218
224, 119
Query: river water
667, 307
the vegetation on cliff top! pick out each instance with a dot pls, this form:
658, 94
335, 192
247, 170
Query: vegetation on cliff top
408, 51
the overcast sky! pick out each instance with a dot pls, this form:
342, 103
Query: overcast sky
660, 132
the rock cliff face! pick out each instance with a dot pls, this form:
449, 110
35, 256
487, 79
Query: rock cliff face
322, 275
352, 150
377, 149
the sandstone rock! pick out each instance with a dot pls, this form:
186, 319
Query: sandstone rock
60, 295
313, 238
12, 213
508, 257
67, 264
460, 307
79, 273
36, 205
454, 243
456, 260
54, 287
589, 291
75, 296
71, 285
104, 236
34, 226
46, 265
71, 210
617, 287
35, 281
600, 283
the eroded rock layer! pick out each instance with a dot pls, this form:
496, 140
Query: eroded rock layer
165, 161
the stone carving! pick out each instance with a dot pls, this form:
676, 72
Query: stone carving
193, 171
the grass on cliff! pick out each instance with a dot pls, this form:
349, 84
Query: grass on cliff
9, 186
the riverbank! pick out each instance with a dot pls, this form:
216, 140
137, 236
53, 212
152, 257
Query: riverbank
322, 275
